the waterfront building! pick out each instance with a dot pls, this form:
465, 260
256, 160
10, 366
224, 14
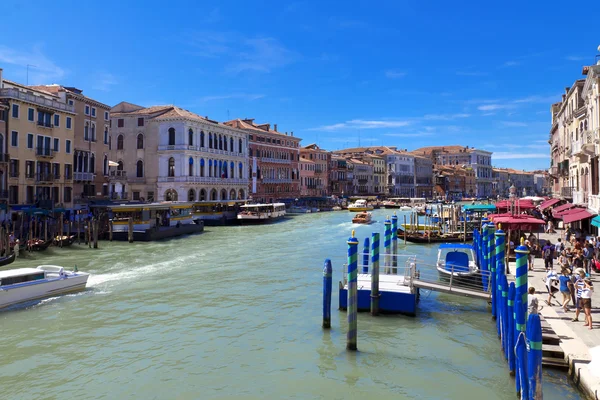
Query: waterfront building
274, 161
500, 182
423, 177
168, 153
90, 147
379, 174
339, 183
317, 183
479, 160
591, 99
541, 181
39, 128
362, 177
4, 157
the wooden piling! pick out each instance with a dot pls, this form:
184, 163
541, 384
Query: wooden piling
78, 229
405, 228
61, 228
375, 272
327, 288
45, 229
2, 241
351, 338
96, 234
130, 230
110, 230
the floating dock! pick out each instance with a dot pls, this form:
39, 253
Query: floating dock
395, 294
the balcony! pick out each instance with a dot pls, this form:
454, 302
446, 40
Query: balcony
567, 192
44, 152
118, 175
553, 171
137, 179
276, 180
118, 196
44, 177
580, 197
83, 176
42, 124
275, 160
203, 179
42, 101
594, 203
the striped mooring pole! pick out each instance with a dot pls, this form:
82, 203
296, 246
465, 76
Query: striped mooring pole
327, 287
375, 273
511, 328
395, 243
534, 356
365, 266
499, 268
352, 292
504, 320
387, 241
520, 350
521, 273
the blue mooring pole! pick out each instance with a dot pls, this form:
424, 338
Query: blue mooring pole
534, 356
504, 320
511, 328
375, 273
498, 273
327, 287
521, 351
387, 241
365, 266
352, 312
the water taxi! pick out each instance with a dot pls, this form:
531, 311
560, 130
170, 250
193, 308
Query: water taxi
217, 212
261, 213
26, 284
154, 221
362, 218
457, 261
360, 205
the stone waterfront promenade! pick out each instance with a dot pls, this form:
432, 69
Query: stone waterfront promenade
580, 345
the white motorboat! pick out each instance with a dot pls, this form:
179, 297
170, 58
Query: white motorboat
360, 205
457, 260
261, 213
405, 208
25, 284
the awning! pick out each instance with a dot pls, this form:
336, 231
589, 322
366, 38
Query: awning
563, 207
520, 203
596, 221
549, 203
113, 164
479, 207
576, 216
522, 222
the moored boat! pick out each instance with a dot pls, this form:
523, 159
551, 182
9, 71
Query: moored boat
457, 261
38, 244
432, 237
389, 204
405, 208
217, 212
7, 259
362, 218
261, 213
26, 284
360, 205
64, 241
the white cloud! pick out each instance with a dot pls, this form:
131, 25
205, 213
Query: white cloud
394, 74
445, 117
42, 70
494, 107
514, 124
511, 64
104, 82
362, 124
501, 155
240, 96
575, 58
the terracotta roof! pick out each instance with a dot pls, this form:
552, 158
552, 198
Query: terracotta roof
34, 88
384, 150
56, 89
306, 160
444, 149
145, 111
247, 125
50, 89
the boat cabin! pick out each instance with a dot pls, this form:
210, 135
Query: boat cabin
147, 216
22, 275
217, 210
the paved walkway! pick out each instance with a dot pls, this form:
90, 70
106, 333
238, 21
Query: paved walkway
578, 342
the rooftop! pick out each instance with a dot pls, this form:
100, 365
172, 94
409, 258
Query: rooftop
249, 125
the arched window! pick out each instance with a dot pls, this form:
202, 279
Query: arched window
171, 136
232, 194
110, 142
191, 167
240, 146
171, 195
231, 145
231, 169
213, 194
105, 165
202, 195
202, 167
241, 195
92, 164
120, 142
190, 137
210, 140
215, 169
191, 195
201, 138
139, 169
140, 141
210, 168
220, 142
225, 143
241, 171
171, 166
223, 194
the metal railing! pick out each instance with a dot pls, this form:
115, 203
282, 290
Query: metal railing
44, 177
404, 268
567, 191
118, 196
83, 176
45, 124
203, 179
44, 152
118, 174
17, 94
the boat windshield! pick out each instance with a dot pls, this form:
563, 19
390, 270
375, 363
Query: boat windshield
12, 280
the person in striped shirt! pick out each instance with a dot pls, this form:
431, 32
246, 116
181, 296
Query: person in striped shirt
579, 286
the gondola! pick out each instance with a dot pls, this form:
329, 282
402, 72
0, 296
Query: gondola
38, 244
7, 260
65, 240
423, 239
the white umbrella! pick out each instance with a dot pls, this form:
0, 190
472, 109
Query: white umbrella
113, 164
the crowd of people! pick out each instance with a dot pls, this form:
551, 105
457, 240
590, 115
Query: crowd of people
577, 257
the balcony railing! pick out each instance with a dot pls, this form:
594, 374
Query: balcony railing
276, 180
137, 179
275, 160
44, 178
118, 175
594, 202
43, 124
83, 176
579, 197
567, 192
184, 147
44, 152
17, 94
553, 171
203, 179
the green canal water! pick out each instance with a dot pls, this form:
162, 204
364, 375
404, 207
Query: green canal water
236, 313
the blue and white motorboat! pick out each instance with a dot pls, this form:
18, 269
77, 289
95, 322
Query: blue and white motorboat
457, 260
26, 284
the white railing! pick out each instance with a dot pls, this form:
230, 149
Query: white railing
275, 160
275, 180
576, 148
17, 94
203, 179
405, 266
594, 202
579, 197
83, 176
184, 147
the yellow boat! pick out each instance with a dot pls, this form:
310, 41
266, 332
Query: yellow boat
360, 205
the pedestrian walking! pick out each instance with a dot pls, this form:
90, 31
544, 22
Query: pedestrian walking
579, 286
564, 281
548, 254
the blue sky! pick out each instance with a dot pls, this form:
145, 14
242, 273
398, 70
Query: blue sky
405, 74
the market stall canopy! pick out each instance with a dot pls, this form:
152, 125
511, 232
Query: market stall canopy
576, 215
549, 203
562, 208
596, 221
479, 207
522, 222
520, 203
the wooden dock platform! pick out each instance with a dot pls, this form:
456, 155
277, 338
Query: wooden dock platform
553, 355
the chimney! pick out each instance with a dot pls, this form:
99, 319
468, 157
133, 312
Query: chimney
0, 78
275, 127
292, 133
564, 96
